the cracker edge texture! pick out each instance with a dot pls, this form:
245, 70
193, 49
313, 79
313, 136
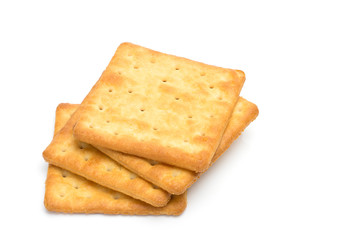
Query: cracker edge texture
174, 156
127, 206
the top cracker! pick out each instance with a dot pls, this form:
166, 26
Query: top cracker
160, 107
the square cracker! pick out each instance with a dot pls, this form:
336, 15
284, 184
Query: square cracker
176, 180
82, 159
160, 107
69, 193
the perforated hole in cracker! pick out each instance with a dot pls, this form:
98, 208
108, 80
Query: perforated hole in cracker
152, 162
132, 176
64, 174
116, 196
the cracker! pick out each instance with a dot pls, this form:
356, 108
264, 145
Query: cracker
70, 193
177, 180
160, 107
68, 153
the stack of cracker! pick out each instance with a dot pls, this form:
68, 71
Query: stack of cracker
150, 126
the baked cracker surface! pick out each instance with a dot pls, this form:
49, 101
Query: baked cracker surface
160, 107
82, 159
69, 193
176, 180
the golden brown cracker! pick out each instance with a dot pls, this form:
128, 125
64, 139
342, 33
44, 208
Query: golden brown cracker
176, 180
68, 153
161, 107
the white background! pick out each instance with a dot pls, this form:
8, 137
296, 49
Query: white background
293, 174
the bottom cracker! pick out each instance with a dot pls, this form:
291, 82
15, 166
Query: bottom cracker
70, 193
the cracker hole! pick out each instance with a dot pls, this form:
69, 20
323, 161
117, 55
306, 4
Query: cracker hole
153, 163
82, 145
211, 87
177, 99
116, 196
130, 91
110, 90
136, 67
86, 158
132, 176
155, 187
202, 74
101, 108
189, 116
61, 195
211, 116
186, 141
64, 174
76, 187
115, 133
91, 126
107, 121
108, 169
142, 109
63, 150
119, 73
155, 129
164, 81
177, 68
220, 98
203, 134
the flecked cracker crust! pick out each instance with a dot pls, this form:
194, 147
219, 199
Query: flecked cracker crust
82, 159
69, 193
160, 107
177, 180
